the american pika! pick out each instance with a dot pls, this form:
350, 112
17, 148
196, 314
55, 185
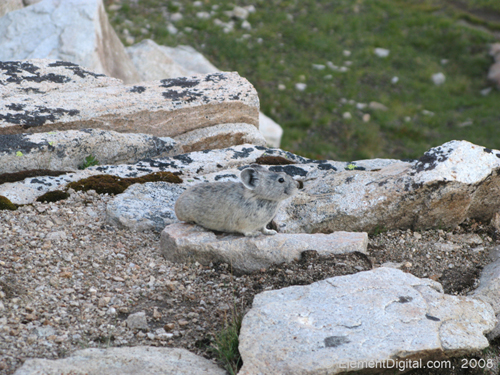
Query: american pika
243, 207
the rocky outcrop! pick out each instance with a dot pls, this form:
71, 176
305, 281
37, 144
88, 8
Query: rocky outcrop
186, 242
156, 62
67, 150
450, 183
76, 31
126, 361
45, 95
349, 323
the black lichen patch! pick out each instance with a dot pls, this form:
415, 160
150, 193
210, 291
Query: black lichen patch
244, 153
184, 158
273, 160
19, 176
326, 167
433, 318
488, 150
215, 77
6, 204
15, 71
290, 170
138, 89
15, 107
185, 96
14, 142
405, 299
218, 177
53, 196
431, 158
38, 117
109, 184
76, 69
184, 82
334, 341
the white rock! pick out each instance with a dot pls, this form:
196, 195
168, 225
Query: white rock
381, 52
162, 108
240, 12
245, 25
300, 86
182, 242
318, 66
203, 15
76, 31
124, 361
438, 78
394, 80
174, 17
271, 131
378, 315
346, 53
347, 115
448, 184
377, 106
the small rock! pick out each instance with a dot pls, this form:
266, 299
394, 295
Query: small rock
347, 115
438, 78
382, 52
377, 106
137, 321
300, 86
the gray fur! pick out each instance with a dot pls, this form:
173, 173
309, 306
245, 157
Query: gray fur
243, 207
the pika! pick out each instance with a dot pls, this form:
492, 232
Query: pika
243, 207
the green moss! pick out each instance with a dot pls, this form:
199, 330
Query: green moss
273, 160
6, 204
53, 196
105, 183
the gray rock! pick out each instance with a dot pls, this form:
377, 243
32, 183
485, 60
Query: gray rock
148, 206
154, 62
124, 361
185, 242
447, 185
489, 290
164, 108
342, 323
137, 321
67, 150
72, 30
494, 72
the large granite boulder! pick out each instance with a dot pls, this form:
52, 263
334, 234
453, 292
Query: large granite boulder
156, 62
450, 183
351, 323
124, 361
46, 95
76, 31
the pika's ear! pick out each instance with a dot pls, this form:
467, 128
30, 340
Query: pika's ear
250, 178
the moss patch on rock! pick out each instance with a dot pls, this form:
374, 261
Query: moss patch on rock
6, 204
53, 196
273, 160
19, 176
106, 183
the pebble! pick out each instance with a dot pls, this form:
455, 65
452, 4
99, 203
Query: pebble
381, 52
300, 86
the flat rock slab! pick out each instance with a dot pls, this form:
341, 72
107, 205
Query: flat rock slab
123, 361
183, 242
32, 102
448, 184
67, 150
340, 324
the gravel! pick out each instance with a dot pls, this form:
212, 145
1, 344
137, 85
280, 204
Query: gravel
68, 280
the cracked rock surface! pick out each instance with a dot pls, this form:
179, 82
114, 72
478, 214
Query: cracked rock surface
376, 315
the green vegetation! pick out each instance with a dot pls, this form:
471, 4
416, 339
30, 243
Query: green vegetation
226, 342
6, 204
89, 161
53, 196
288, 36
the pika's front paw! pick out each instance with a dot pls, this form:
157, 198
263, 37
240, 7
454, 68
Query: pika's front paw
268, 231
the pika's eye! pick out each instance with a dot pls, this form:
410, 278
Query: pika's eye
281, 180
